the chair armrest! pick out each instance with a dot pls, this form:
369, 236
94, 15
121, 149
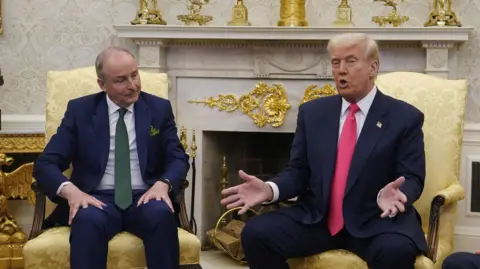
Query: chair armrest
452, 194
182, 214
39, 214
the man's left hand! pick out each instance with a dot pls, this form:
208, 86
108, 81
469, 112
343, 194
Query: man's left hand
159, 191
391, 200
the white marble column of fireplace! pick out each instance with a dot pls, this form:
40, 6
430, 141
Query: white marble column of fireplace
207, 61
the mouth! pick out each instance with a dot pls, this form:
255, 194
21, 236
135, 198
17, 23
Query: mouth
342, 83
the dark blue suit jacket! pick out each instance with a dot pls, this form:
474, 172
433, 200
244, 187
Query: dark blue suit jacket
83, 139
383, 153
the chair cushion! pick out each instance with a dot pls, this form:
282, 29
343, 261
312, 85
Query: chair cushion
51, 249
344, 259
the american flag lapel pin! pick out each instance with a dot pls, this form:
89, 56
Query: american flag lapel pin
379, 124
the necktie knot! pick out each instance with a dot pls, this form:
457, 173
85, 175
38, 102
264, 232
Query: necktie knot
122, 111
353, 108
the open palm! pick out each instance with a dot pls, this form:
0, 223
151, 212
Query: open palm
392, 200
248, 194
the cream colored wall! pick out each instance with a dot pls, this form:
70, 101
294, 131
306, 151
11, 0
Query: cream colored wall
63, 34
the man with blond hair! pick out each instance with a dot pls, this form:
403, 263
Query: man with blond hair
357, 165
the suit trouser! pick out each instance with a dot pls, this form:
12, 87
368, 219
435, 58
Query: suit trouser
153, 222
462, 260
270, 239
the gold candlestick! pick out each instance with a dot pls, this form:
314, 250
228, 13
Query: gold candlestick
442, 14
344, 14
224, 184
239, 15
148, 13
195, 6
292, 13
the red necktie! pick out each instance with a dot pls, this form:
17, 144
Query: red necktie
346, 146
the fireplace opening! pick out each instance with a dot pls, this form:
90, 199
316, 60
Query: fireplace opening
261, 154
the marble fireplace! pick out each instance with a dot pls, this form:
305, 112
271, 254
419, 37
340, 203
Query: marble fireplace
213, 62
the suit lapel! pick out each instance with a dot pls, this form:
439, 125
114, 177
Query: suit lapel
101, 125
370, 135
329, 125
142, 130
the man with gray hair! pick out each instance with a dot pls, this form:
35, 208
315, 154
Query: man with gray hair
124, 175
357, 165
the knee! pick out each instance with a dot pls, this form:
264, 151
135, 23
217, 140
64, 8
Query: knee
459, 260
396, 252
88, 218
254, 232
157, 212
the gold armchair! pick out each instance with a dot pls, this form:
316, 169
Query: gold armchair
443, 104
50, 248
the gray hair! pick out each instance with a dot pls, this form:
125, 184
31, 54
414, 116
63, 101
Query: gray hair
370, 46
99, 61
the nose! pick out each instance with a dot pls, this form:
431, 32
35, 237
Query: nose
342, 68
130, 84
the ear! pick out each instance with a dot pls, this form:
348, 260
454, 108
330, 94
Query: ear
101, 84
374, 65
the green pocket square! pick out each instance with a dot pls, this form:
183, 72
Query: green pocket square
153, 131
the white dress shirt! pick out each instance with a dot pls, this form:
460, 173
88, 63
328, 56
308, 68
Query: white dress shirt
108, 179
360, 117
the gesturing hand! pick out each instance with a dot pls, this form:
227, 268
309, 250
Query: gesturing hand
159, 191
77, 198
392, 200
248, 194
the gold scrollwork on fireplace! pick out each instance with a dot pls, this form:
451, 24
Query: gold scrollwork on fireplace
264, 104
313, 92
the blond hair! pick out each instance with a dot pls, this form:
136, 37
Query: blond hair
369, 45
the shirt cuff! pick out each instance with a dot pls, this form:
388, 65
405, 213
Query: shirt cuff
61, 187
275, 191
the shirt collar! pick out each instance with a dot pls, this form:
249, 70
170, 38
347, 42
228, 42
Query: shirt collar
112, 107
364, 104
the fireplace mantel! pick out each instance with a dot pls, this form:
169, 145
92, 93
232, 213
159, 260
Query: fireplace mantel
439, 43
170, 32
213, 60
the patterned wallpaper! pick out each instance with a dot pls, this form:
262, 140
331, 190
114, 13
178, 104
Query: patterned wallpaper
41, 35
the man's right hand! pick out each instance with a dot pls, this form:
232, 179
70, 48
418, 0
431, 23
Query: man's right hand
249, 194
77, 198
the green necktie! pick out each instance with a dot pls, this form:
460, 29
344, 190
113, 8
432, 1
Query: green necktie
123, 181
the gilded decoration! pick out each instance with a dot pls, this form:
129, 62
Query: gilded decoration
313, 92
442, 14
22, 143
264, 104
194, 7
16, 185
393, 17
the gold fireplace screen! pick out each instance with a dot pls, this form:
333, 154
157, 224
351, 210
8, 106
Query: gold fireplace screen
264, 104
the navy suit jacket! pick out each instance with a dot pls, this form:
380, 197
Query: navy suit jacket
384, 152
83, 139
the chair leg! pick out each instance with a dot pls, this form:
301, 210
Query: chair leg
191, 266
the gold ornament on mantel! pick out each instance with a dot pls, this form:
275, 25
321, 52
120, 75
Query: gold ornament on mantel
194, 7
292, 13
442, 14
344, 14
393, 18
239, 15
148, 13
264, 104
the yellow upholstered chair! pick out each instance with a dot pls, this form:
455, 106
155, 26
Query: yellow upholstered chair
443, 104
50, 248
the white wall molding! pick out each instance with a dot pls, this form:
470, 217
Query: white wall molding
23, 123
